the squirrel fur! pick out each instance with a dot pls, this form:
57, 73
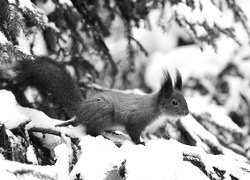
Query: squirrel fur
108, 110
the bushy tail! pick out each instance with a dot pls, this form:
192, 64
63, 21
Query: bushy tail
49, 76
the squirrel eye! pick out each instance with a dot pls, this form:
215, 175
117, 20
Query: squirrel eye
175, 102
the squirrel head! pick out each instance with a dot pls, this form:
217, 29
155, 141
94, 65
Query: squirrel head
170, 99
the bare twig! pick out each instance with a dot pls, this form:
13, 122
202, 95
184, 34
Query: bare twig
46, 131
67, 123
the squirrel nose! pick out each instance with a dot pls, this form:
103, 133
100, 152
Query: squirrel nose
186, 112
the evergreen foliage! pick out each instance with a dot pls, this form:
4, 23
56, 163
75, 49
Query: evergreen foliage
87, 23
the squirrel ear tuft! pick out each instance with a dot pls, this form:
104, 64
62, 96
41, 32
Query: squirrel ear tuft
166, 86
178, 83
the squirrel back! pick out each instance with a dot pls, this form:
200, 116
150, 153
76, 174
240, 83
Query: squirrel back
49, 76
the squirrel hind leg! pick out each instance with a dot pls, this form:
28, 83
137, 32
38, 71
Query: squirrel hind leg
92, 132
135, 135
97, 126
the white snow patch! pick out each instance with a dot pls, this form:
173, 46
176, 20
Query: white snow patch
197, 130
159, 159
208, 13
3, 39
68, 2
26, 4
189, 171
48, 7
213, 15
30, 155
12, 1
98, 156
24, 42
156, 153
75, 132
5, 175
9, 112
230, 165
39, 48
12, 115
62, 163
184, 10
2, 157
23, 50
12, 167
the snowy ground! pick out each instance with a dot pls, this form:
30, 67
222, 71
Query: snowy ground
99, 158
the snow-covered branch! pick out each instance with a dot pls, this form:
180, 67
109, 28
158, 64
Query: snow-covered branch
158, 159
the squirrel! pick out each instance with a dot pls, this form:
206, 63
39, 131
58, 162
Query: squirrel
108, 110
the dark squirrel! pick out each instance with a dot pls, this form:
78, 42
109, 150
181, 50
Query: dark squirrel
108, 110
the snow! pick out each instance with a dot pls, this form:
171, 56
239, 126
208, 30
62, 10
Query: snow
140, 156
7, 175
184, 9
12, 115
204, 11
68, 2
156, 39
3, 39
23, 50
1, 156
98, 156
62, 163
198, 132
229, 165
23, 44
11, 168
191, 172
152, 40
220, 117
200, 31
197, 15
48, 7
39, 48
158, 159
9, 115
12, 1
30, 155
23, 41
201, 105
26, 4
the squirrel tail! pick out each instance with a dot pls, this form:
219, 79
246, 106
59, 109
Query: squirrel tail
49, 76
